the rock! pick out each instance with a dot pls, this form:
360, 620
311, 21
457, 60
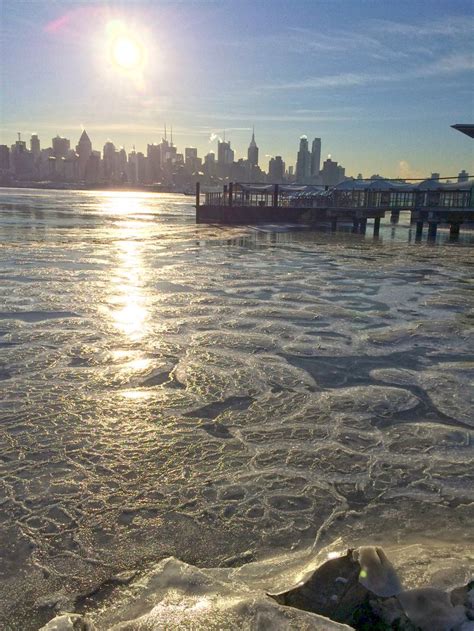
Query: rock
332, 590
377, 574
464, 596
431, 609
124, 578
69, 622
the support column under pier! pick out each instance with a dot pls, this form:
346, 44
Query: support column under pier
376, 226
419, 230
355, 224
334, 224
454, 229
395, 216
363, 225
432, 229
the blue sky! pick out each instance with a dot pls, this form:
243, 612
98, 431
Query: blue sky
380, 82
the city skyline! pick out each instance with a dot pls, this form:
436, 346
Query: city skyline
164, 164
382, 83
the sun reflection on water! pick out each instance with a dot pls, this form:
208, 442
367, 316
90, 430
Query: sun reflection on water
128, 303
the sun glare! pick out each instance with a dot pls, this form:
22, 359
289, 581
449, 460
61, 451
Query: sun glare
126, 52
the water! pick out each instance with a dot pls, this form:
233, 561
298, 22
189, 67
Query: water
221, 394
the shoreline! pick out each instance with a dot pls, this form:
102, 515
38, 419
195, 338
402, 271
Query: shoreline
139, 188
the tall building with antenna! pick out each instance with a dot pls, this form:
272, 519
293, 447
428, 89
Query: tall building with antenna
252, 152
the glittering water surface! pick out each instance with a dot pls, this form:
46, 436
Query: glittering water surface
210, 392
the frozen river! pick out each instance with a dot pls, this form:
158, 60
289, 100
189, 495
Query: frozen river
220, 394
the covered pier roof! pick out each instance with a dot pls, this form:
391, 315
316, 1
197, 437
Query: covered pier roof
465, 129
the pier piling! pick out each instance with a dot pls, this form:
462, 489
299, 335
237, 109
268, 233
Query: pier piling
454, 230
432, 229
198, 195
419, 230
376, 226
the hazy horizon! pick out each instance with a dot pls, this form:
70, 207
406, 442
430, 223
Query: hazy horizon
379, 83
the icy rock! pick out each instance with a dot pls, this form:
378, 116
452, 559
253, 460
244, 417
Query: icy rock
332, 590
69, 622
464, 596
431, 609
377, 574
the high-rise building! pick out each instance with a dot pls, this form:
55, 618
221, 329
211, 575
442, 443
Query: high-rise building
276, 170
303, 162
315, 157
60, 146
252, 151
154, 162
225, 154
4, 157
84, 151
122, 173
92, 173
109, 157
191, 159
190, 154
463, 176
332, 173
21, 159
35, 146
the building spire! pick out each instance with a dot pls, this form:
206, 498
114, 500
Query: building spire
171, 135
252, 142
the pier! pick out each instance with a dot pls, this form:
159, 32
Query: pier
430, 203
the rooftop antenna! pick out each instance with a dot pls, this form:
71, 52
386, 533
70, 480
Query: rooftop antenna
171, 134
224, 135
165, 131
19, 135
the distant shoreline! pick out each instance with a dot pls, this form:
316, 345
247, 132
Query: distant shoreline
95, 187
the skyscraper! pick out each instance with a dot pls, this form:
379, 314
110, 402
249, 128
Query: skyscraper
60, 146
110, 161
276, 170
35, 146
315, 157
84, 151
225, 154
303, 161
252, 152
332, 173
4, 157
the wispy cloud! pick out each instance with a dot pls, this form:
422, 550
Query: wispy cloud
449, 26
449, 64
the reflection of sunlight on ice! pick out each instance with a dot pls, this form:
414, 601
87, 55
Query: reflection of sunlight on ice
136, 394
122, 203
137, 365
128, 300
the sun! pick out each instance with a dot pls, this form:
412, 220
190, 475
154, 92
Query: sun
127, 53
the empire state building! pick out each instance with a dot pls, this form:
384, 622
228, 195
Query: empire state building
252, 152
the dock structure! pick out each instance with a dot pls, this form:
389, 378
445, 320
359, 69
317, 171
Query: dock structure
353, 201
